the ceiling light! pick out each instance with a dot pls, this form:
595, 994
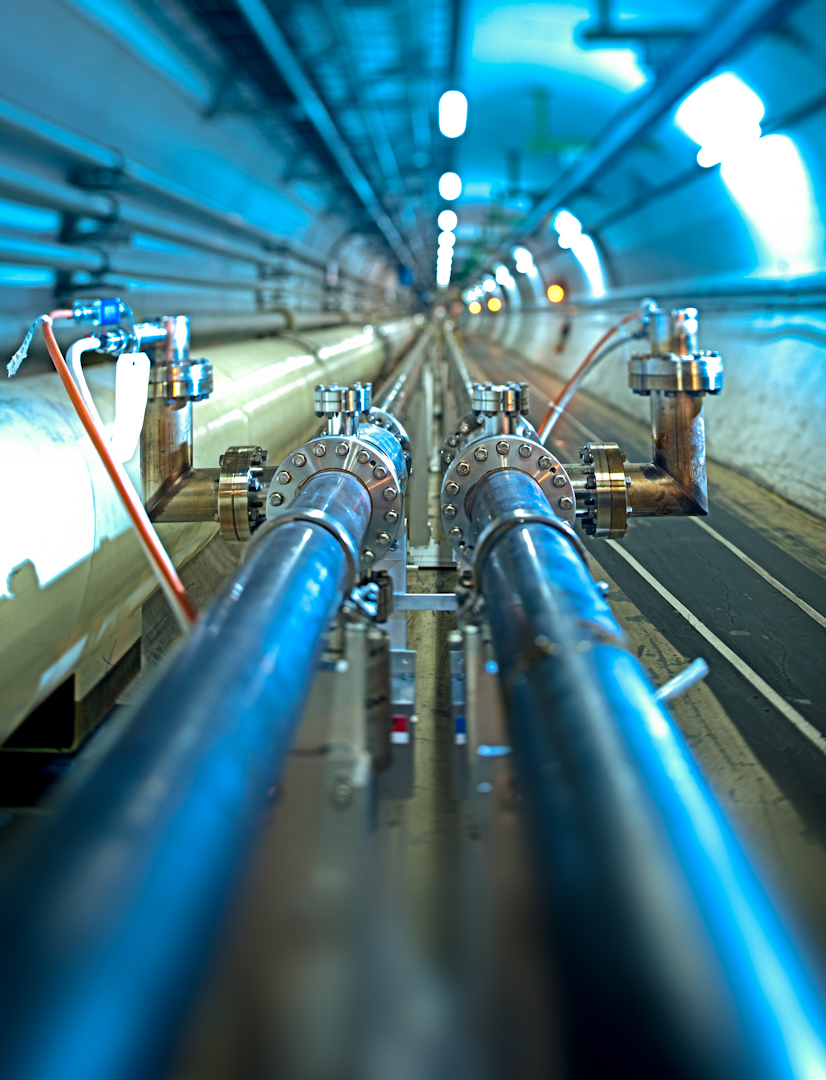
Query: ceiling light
556, 293
489, 285
475, 307
448, 220
450, 186
447, 239
452, 114
494, 304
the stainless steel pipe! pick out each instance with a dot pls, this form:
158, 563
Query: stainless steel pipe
107, 911
671, 959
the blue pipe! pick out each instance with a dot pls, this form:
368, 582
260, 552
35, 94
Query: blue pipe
108, 909
672, 959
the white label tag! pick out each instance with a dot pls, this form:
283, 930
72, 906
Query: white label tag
131, 388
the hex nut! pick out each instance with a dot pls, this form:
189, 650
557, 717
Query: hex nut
284, 477
481, 453
463, 468
525, 451
320, 449
566, 502
544, 462
503, 448
342, 449
383, 538
276, 499
391, 517
379, 472
449, 510
452, 488
299, 460
390, 493
559, 480
362, 457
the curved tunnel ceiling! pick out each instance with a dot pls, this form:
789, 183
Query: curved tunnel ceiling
318, 122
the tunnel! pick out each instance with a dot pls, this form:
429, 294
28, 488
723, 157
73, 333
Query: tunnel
413, 627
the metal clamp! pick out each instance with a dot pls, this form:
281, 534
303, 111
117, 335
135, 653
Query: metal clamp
326, 521
512, 520
181, 380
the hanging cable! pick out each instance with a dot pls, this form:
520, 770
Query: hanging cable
163, 566
596, 354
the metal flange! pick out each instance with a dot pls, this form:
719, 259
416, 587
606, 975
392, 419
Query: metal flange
695, 373
386, 420
347, 453
488, 455
240, 499
609, 519
181, 380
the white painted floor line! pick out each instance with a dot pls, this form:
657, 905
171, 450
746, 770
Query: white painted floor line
764, 574
759, 684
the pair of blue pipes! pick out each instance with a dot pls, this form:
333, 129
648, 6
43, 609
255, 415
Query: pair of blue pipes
671, 960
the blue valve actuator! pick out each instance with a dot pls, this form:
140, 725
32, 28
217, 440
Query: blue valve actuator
101, 312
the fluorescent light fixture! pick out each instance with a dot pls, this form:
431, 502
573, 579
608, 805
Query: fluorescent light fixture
504, 278
766, 176
582, 248
524, 261
452, 114
448, 220
447, 239
450, 186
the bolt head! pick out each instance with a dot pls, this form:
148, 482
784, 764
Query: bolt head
320, 449
559, 480
390, 493
368, 556
464, 427
525, 451
455, 534
362, 457
463, 468
391, 517
379, 472
284, 477
383, 538
299, 460
342, 449
481, 453
503, 448
452, 488
276, 499
544, 462
566, 503
452, 441
449, 510
449, 458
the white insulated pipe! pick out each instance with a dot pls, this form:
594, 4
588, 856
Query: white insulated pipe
73, 577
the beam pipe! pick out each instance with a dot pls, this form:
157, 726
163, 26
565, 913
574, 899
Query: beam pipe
672, 959
110, 906
395, 395
461, 380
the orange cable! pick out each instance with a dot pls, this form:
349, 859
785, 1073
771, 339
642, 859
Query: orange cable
555, 411
163, 565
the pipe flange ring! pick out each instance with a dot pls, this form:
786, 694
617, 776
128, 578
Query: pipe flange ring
240, 498
458, 436
512, 519
391, 423
180, 380
490, 454
328, 522
360, 458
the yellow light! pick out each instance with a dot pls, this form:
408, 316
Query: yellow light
475, 307
494, 304
556, 293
